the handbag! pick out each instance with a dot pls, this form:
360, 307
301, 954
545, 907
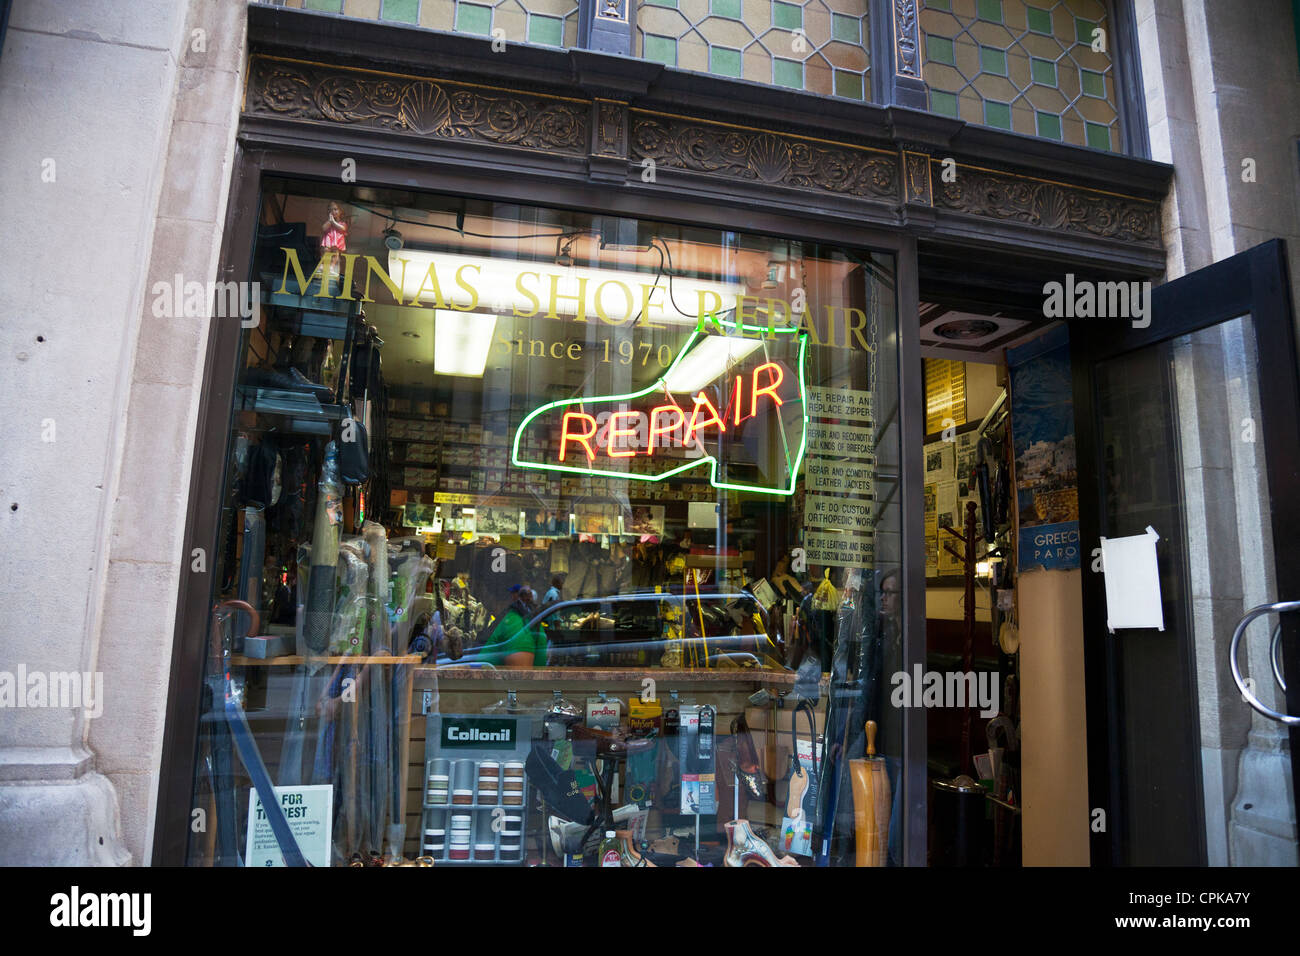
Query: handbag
801, 787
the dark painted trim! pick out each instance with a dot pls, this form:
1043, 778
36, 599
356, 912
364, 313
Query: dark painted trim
1129, 95
5, 6
613, 31
911, 418
202, 529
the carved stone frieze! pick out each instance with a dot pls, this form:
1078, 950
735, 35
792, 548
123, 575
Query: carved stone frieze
434, 108
771, 158
1004, 196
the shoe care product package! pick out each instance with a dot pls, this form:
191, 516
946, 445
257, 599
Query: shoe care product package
695, 743
604, 714
476, 788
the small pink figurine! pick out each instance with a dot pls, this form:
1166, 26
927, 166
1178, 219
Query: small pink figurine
334, 230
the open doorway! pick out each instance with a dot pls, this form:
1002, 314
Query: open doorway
971, 682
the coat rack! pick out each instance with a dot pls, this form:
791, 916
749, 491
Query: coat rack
969, 540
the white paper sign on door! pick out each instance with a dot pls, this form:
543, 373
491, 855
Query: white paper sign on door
1132, 581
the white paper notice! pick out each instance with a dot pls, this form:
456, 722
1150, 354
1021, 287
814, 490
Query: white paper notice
836, 477
1132, 581
309, 811
844, 403
841, 441
841, 514
839, 550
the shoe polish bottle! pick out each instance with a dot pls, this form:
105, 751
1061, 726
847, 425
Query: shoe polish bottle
608, 854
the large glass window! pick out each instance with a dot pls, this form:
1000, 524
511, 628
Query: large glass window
549, 523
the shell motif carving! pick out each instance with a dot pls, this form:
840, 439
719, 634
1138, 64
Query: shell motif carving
1050, 207
769, 158
423, 108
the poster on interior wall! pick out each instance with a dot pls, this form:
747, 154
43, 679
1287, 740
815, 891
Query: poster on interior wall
644, 520
1042, 425
931, 531
596, 519
545, 523
417, 515
967, 458
940, 463
948, 514
495, 520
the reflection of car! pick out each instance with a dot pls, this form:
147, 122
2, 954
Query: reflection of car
635, 630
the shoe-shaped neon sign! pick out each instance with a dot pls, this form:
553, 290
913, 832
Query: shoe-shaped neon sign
748, 423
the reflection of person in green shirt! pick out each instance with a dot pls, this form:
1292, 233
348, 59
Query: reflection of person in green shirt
512, 643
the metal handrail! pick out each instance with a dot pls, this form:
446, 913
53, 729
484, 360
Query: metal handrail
1247, 694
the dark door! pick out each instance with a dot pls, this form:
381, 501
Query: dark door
1191, 426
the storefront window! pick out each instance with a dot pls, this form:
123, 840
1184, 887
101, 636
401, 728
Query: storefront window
547, 525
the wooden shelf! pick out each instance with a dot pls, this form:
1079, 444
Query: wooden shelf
745, 675
293, 660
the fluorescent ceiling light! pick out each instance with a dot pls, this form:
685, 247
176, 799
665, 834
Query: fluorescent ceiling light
708, 361
461, 342
519, 286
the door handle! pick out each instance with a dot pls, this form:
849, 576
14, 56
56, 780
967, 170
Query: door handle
1280, 607
1277, 661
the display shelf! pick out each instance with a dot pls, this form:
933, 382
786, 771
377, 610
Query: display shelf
298, 405
293, 660
748, 675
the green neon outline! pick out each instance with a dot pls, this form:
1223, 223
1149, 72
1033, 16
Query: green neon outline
658, 384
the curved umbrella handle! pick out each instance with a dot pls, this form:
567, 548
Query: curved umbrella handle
1247, 694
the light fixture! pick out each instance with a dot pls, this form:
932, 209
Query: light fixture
961, 329
564, 252
461, 342
523, 287
393, 239
982, 569
707, 362
411, 335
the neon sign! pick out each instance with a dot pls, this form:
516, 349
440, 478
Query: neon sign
769, 396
